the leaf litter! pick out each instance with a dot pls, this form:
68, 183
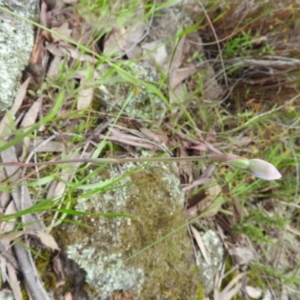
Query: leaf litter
153, 43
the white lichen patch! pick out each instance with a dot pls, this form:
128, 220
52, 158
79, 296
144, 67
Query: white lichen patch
104, 271
151, 194
142, 102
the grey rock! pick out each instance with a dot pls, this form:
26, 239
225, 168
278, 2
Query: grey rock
16, 43
110, 252
134, 98
215, 254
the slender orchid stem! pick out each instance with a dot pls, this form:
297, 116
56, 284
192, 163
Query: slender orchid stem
257, 167
213, 158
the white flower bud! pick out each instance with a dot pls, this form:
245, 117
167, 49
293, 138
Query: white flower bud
262, 169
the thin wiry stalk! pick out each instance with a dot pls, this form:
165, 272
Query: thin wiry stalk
213, 157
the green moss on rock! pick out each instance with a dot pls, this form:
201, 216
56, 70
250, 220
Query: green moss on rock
152, 195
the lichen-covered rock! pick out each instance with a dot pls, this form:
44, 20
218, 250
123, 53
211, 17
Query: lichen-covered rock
215, 254
136, 100
148, 255
16, 43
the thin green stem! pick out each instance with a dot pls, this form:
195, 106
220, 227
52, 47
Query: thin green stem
212, 157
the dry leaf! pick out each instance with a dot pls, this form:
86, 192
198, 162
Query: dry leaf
178, 57
128, 139
52, 146
7, 238
241, 255
22, 200
212, 203
44, 237
5, 197
47, 239
85, 95
14, 282
212, 90
7, 260
179, 75
176, 90
158, 138
43, 14
162, 30
61, 30
124, 41
121, 42
59, 270
198, 147
185, 167
30, 119
232, 288
57, 189
60, 187
8, 226
70, 1
21, 195
196, 183
4, 124
115, 42
58, 50
199, 241
68, 296
254, 293
134, 36
268, 295
54, 66
155, 51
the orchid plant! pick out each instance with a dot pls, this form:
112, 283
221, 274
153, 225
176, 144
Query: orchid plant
257, 167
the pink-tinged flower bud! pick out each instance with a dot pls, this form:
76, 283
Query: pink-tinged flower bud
262, 169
